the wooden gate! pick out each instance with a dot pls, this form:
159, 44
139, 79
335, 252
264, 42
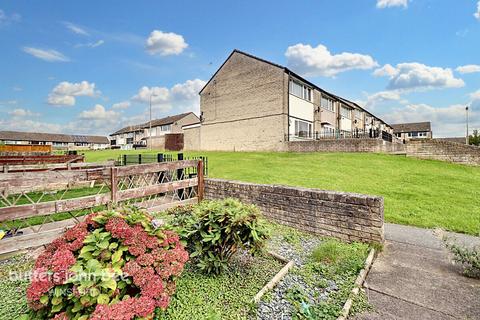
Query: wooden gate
43, 208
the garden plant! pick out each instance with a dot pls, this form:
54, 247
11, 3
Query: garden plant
216, 230
114, 265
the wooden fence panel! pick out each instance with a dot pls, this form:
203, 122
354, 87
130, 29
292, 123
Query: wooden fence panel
10, 168
155, 189
155, 167
159, 185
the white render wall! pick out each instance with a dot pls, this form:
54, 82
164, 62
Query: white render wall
300, 108
346, 124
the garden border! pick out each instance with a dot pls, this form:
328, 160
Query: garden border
357, 285
277, 278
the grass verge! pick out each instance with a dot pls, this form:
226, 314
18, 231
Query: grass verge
423, 193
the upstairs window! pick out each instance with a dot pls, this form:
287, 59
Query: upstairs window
167, 127
300, 90
328, 104
345, 112
358, 114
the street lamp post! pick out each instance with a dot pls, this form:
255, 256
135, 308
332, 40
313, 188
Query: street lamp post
150, 122
466, 116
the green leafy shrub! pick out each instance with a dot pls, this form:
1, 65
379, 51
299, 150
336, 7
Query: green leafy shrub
114, 265
215, 230
469, 258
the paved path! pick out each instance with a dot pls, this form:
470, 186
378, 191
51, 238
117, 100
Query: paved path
413, 278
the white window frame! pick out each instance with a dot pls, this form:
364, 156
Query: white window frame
329, 104
297, 132
306, 91
358, 114
345, 112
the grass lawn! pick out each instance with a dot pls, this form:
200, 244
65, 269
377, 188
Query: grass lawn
424, 193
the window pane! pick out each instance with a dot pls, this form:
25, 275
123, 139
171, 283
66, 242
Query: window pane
296, 89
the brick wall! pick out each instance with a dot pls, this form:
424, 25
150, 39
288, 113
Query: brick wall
244, 106
345, 145
191, 139
443, 150
348, 216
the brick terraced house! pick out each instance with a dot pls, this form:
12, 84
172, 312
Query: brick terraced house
417, 130
252, 104
138, 135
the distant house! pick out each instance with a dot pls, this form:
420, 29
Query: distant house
416, 130
57, 141
139, 135
253, 104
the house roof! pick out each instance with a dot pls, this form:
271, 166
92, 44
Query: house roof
412, 127
290, 72
155, 123
51, 137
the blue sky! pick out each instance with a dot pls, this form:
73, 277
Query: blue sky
90, 67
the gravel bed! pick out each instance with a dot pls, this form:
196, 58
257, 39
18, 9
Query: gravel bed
275, 305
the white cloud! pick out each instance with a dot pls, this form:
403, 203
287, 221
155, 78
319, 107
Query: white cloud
469, 68
19, 113
17, 88
477, 14
386, 70
165, 43
6, 19
49, 55
157, 95
475, 95
417, 76
8, 102
65, 92
447, 121
382, 4
98, 112
188, 90
90, 44
375, 99
98, 120
31, 126
319, 61
182, 96
76, 29
121, 105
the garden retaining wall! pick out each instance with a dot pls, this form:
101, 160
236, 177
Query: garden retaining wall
444, 150
345, 145
348, 216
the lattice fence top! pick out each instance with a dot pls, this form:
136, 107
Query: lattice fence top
60, 199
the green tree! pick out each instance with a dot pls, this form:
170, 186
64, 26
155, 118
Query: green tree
474, 139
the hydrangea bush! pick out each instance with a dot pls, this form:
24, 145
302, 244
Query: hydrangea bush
114, 265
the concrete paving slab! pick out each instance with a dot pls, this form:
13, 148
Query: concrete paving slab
398, 309
414, 278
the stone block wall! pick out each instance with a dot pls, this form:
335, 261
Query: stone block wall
348, 216
244, 107
191, 139
443, 150
345, 145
